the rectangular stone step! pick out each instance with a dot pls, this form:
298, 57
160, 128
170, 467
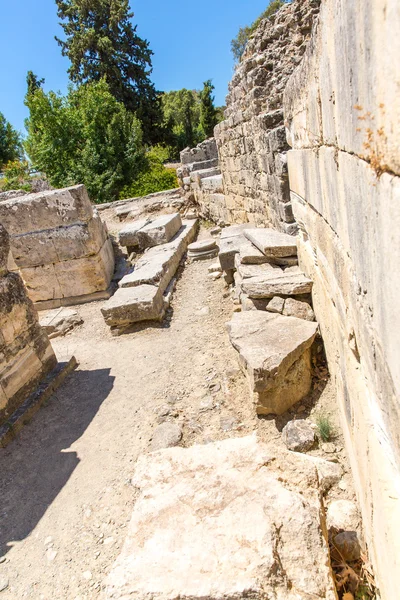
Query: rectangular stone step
277, 283
204, 164
134, 304
229, 520
272, 243
151, 231
274, 352
195, 176
213, 185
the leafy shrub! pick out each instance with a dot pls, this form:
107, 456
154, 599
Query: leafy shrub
154, 177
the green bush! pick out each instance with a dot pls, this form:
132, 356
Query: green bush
16, 176
154, 177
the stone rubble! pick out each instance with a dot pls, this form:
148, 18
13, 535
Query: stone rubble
219, 521
298, 435
143, 295
59, 321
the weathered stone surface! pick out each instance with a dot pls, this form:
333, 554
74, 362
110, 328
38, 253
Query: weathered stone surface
26, 355
62, 243
150, 232
272, 243
228, 248
345, 183
46, 210
213, 185
276, 305
71, 277
165, 436
134, 304
202, 246
274, 352
250, 255
343, 515
253, 270
329, 473
298, 435
206, 150
276, 283
59, 321
219, 522
299, 309
159, 264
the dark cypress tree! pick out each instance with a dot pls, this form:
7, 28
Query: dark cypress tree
208, 113
101, 41
33, 82
10, 142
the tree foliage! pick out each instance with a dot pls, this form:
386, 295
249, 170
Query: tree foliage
85, 137
101, 42
10, 142
238, 44
208, 113
33, 82
154, 177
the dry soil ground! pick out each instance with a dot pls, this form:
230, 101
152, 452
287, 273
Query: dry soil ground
66, 495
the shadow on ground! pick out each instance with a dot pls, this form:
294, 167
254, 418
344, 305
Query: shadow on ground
35, 466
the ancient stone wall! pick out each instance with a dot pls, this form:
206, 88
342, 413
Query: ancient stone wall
26, 355
251, 141
59, 245
342, 113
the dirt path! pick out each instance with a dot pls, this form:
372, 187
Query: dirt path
66, 496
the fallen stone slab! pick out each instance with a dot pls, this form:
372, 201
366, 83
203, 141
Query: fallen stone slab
220, 521
276, 305
274, 352
250, 255
59, 321
134, 304
276, 283
228, 248
272, 243
149, 232
252, 270
159, 264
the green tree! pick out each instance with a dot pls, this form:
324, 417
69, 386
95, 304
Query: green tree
238, 44
181, 112
33, 82
101, 42
10, 142
85, 137
208, 113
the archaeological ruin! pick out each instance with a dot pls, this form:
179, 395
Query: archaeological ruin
280, 249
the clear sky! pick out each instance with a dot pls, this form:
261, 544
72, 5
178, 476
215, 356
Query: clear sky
190, 40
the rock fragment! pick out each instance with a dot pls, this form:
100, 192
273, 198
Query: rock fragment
166, 435
298, 435
299, 309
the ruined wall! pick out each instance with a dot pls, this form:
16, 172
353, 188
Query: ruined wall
342, 113
26, 355
251, 141
59, 245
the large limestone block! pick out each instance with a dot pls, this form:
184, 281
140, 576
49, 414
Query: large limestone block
151, 232
46, 210
133, 304
274, 351
158, 265
213, 185
250, 255
26, 355
59, 244
71, 277
276, 283
220, 521
272, 243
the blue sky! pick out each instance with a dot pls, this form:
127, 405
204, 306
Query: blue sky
190, 41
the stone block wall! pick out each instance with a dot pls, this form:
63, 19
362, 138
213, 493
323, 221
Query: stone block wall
251, 141
342, 113
26, 355
59, 245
